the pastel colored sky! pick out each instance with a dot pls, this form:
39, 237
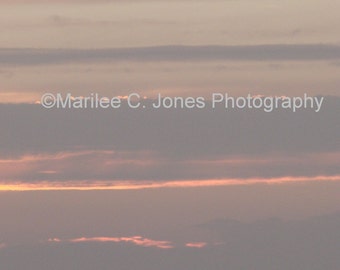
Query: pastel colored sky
116, 25
169, 189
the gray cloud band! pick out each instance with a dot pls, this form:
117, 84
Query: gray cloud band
167, 144
293, 52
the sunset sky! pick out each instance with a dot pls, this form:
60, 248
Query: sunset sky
169, 188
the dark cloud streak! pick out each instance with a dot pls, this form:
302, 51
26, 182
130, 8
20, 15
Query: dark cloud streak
280, 52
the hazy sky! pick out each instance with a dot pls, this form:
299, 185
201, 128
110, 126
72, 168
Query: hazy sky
170, 188
138, 24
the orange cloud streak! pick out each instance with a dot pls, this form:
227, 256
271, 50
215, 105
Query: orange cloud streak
132, 185
137, 240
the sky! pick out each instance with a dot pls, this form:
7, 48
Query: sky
145, 189
304, 38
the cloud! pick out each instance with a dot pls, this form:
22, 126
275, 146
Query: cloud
129, 170
196, 244
282, 52
86, 185
272, 243
56, 146
18, 97
136, 240
190, 134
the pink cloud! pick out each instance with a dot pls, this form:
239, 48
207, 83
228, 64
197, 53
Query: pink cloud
133, 185
136, 240
196, 244
66, 164
104, 169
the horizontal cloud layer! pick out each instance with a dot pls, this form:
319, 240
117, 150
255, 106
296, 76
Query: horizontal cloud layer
283, 52
168, 145
136, 240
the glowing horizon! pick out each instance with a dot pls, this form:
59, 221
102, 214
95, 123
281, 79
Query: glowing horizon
133, 185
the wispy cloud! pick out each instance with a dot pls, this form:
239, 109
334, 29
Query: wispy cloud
196, 244
198, 134
284, 52
135, 185
80, 149
18, 97
136, 240
145, 169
